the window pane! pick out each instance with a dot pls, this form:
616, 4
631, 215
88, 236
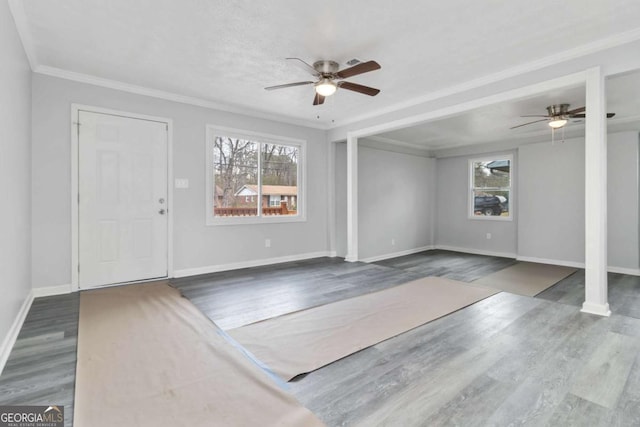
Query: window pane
491, 203
235, 163
492, 174
491, 187
279, 165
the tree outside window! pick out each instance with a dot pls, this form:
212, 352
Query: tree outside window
253, 178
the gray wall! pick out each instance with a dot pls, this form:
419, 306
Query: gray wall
551, 221
549, 192
395, 198
551, 207
15, 172
453, 227
622, 171
195, 244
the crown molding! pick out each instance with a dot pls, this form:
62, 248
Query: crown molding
557, 58
169, 96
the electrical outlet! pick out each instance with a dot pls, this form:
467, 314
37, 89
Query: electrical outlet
488, 236
267, 243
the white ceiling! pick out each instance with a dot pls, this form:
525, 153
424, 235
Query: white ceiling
228, 51
493, 123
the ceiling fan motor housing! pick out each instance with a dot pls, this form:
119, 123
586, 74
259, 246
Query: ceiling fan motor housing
326, 67
558, 110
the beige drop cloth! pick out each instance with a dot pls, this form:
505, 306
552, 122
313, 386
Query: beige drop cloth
148, 357
526, 278
301, 342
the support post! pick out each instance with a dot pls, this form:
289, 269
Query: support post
596, 298
352, 198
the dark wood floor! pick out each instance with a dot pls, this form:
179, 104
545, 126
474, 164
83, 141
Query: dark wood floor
507, 360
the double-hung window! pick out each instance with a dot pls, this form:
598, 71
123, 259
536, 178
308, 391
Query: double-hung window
490, 191
253, 178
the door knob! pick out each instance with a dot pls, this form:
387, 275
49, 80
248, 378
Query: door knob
161, 211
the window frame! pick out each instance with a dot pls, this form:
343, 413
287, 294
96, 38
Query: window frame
470, 191
260, 138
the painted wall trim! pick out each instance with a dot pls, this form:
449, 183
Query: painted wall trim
599, 309
48, 291
397, 254
623, 270
186, 272
169, 96
12, 335
562, 263
575, 264
475, 251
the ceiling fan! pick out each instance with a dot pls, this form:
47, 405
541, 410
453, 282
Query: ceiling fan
559, 115
329, 79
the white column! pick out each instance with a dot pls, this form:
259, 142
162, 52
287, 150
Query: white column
352, 198
596, 298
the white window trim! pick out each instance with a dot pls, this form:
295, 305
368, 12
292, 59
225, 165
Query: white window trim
470, 197
211, 131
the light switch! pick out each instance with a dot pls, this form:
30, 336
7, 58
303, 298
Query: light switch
182, 183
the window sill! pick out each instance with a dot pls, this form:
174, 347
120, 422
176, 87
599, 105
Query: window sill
491, 218
247, 220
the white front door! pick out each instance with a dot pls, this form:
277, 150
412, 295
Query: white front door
122, 207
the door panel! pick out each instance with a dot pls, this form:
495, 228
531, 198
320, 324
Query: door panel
123, 223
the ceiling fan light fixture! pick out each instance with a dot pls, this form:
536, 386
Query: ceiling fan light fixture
557, 123
326, 87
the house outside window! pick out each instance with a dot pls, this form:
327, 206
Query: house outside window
253, 178
491, 190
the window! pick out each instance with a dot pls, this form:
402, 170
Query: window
253, 177
490, 192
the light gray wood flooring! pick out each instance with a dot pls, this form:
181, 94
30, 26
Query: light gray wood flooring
506, 360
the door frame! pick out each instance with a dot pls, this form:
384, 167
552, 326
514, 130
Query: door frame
75, 235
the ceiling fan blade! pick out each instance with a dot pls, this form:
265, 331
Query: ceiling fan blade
305, 66
576, 111
583, 115
361, 68
535, 115
530, 123
318, 99
288, 85
359, 88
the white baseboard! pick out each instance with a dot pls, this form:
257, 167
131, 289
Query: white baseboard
48, 291
475, 251
623, 270
599, 309
12, 335
575, 264
397, 254
562, 263
186, 272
